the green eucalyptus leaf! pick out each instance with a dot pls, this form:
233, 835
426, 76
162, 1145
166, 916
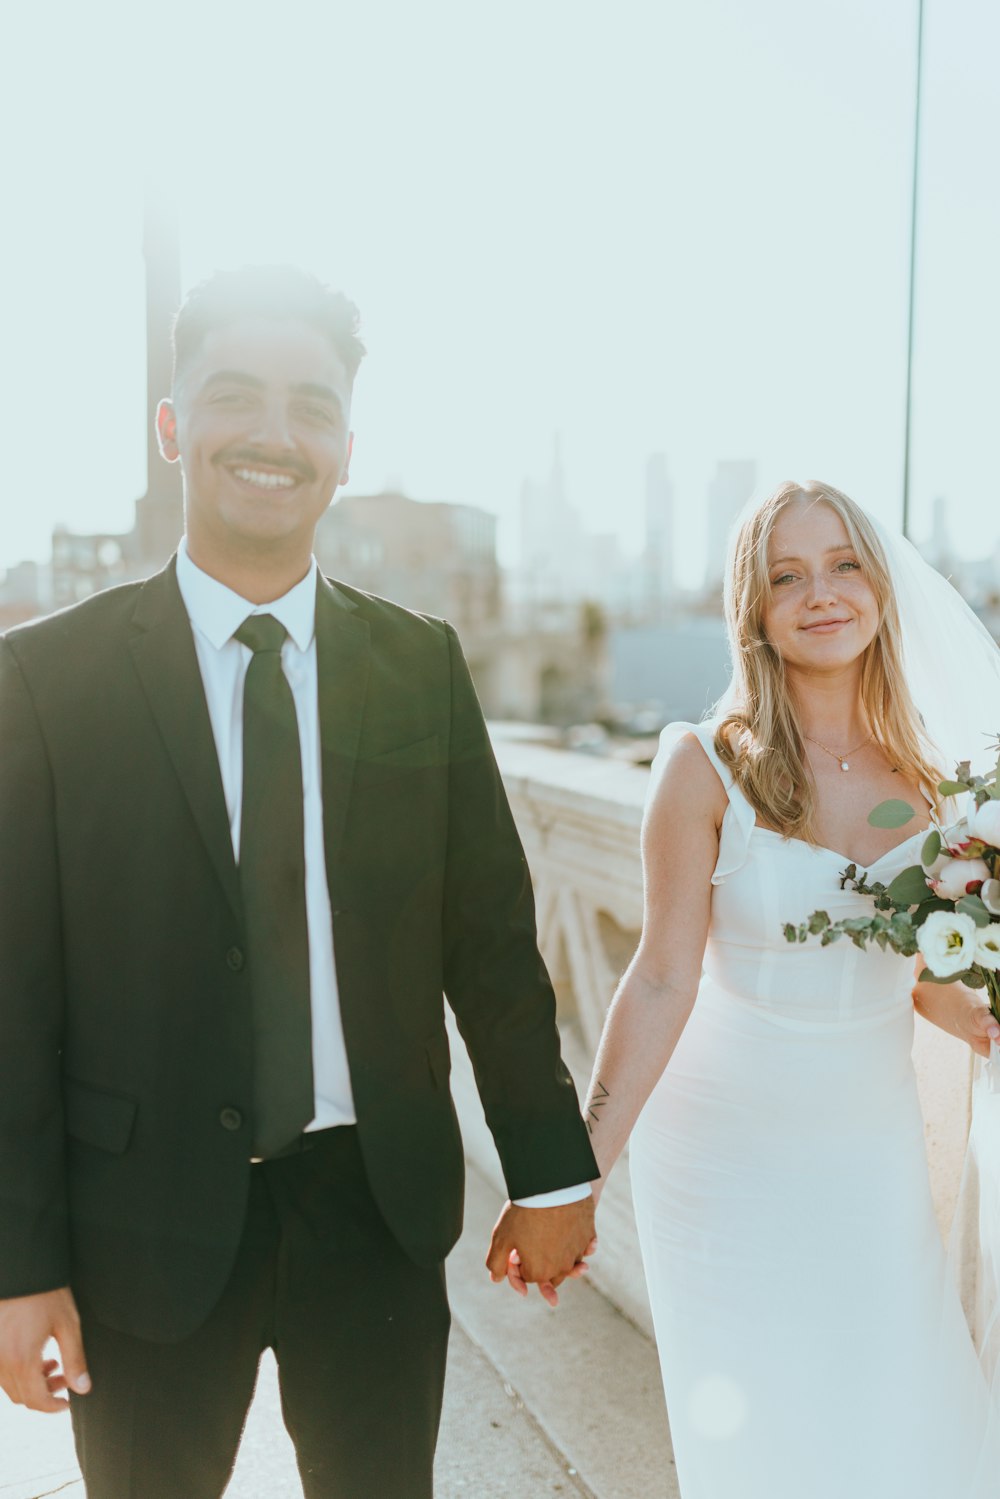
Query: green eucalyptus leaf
932, 903
909, 887
931, 848
927, 977
891, 814
953, 788
971, 905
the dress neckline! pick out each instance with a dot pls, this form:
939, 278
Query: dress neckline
822, 848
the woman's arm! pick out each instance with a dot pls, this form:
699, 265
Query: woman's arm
959, 1010
680, 848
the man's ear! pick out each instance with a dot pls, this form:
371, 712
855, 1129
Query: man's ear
345, 472
166, 431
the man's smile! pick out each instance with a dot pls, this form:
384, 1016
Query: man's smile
264, 478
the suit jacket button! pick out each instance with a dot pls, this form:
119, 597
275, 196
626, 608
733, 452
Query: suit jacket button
235, 958
230, 1118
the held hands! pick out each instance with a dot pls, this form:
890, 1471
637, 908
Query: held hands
542, 1246
26, 1325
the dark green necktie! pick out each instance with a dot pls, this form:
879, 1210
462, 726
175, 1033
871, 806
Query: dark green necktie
273, 884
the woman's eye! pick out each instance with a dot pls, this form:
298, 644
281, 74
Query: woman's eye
850, 564
784, 578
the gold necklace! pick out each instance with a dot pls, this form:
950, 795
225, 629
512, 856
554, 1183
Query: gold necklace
844, 765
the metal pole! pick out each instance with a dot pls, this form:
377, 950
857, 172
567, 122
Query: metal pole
908, 436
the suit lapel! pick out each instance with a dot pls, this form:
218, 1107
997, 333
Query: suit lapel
343, 652
164, 654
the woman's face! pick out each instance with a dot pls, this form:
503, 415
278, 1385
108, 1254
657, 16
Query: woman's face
822, 614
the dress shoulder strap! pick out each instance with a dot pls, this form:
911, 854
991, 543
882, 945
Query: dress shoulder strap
739, 819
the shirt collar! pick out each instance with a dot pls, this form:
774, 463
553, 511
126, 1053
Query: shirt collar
218, 612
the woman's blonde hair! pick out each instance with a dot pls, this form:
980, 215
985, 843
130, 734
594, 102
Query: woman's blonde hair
759, 736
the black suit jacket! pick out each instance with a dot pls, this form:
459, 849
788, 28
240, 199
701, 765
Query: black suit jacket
125, 1042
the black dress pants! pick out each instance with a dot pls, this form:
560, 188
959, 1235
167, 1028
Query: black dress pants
359, 1332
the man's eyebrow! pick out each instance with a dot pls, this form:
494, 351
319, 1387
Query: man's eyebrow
305, 388
846, 546
320, 392
234, 377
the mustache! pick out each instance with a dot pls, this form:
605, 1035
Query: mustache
251, 457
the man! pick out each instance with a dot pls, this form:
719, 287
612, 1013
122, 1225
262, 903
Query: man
250, 829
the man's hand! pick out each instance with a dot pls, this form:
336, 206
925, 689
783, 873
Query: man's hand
26, 1325
549, 1244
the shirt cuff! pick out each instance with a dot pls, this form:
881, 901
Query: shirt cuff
557, 1199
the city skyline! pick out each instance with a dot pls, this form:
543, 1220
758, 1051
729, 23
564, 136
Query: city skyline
552, 537
579, 236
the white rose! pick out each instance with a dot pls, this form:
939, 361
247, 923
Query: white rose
984, 823
953, 880
988, 946
948, 942
990, 896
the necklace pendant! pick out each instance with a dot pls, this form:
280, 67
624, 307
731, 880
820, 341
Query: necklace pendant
844, 765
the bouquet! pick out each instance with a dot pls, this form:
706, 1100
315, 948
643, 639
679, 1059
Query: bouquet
947, 907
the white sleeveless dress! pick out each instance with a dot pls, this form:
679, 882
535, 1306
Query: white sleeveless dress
811, 1342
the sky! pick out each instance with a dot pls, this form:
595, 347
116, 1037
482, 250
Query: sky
654, 227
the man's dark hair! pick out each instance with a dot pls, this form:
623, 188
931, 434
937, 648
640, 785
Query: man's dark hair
274, 291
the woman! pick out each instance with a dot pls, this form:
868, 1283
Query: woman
811, 1343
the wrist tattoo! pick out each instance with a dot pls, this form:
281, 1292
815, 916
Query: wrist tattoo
595, 1104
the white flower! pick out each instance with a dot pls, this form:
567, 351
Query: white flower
953, 880
948, 942
990, 896
957, 834
984, 823
988, 946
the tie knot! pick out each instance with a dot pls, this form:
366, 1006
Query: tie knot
261, 632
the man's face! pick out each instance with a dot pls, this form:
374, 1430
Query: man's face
260, 421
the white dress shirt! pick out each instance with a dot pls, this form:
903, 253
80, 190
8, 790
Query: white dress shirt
216, 613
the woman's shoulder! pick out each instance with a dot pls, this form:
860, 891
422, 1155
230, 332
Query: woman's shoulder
687, 768
692, 785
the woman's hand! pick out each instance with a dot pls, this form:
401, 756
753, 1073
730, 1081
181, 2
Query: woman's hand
960, 1011
546, 1289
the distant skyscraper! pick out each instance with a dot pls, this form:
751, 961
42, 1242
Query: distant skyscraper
729, 490
552, 537
659, 571
159, 513
940, 549
83, 563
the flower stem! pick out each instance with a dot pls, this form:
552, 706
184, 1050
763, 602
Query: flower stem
993, 990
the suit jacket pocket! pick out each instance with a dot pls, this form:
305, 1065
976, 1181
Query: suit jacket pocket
98, 1117
421, 754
